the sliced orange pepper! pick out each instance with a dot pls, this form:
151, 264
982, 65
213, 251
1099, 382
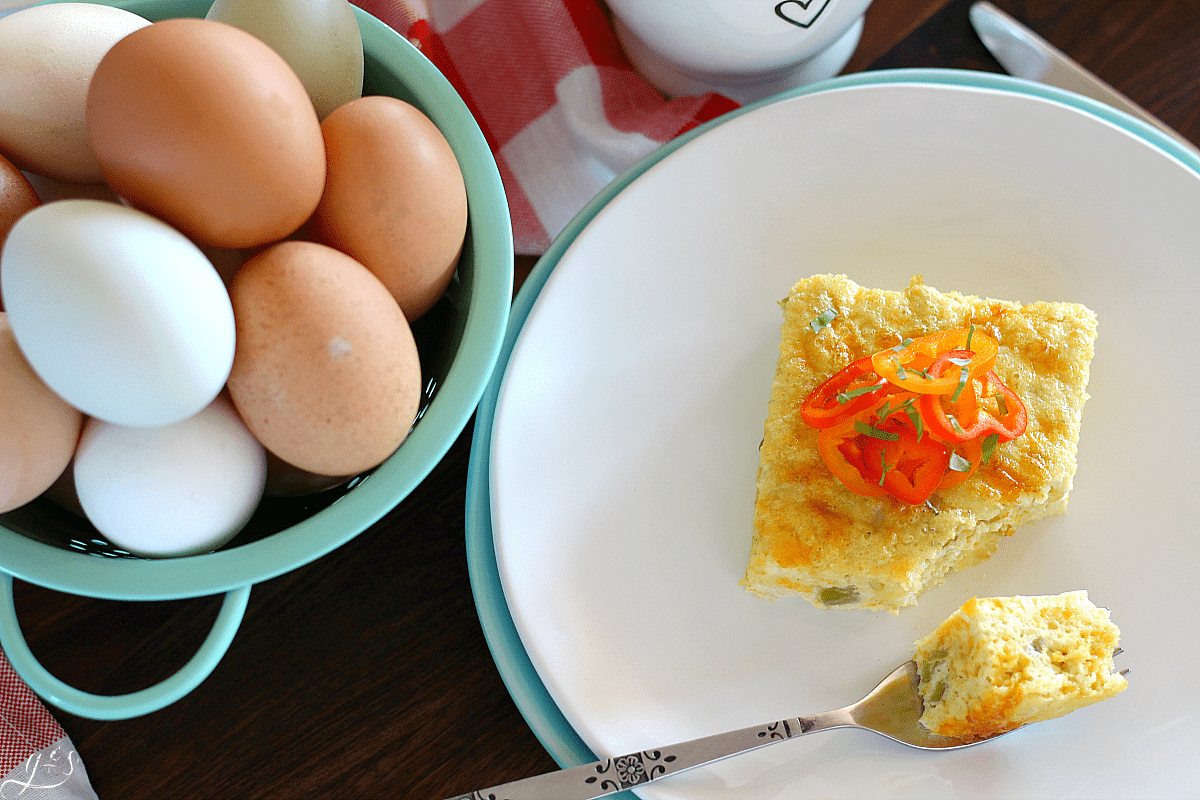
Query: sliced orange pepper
905, 364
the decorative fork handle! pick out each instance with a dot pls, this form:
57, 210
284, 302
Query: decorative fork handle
611, 775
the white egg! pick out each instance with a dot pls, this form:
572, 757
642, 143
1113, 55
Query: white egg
319, 39
173, 490
119, 313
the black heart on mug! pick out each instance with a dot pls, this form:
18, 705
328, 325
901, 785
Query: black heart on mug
802, 13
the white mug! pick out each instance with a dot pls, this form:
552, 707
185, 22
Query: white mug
743, 49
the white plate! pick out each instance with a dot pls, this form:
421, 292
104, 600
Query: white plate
623, 439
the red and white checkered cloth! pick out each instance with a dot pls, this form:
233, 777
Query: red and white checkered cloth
556, 97
37, 759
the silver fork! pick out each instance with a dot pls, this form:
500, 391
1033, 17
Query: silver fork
892, 709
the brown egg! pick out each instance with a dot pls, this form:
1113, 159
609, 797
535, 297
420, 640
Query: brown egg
326, 372
38, 430
206, 127
394, 198
16, 197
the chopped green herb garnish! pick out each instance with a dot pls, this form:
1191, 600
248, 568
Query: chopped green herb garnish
903, 344
1001, 404
875, 433
988, 447
964, 375
886, 410
883, 467
970, 335
915, 417
850, 394
906, 408
823, 319
901, 372
959, 464
954, 424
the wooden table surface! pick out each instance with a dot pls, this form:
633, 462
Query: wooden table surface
365, 673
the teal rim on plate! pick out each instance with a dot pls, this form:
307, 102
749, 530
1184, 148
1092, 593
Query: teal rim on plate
524, 685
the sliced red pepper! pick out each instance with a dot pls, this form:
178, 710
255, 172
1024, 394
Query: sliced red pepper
893, 423
954, 417
1012, 418
841, 448
907, 467
905, 364
965, 417
823, 408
